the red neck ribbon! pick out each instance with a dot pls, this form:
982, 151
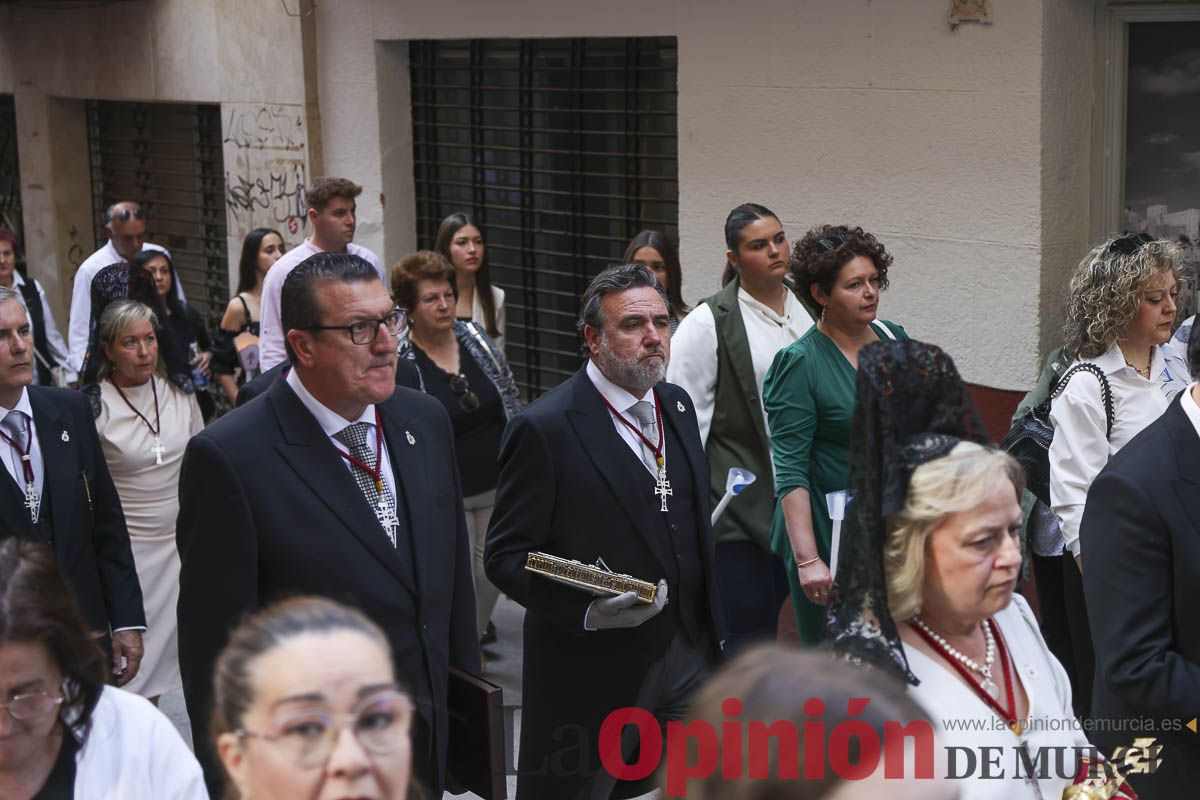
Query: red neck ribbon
1009, 713
657, 449
376, 473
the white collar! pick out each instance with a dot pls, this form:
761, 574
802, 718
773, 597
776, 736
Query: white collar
18, 280
331, 422
1188, 403
617, 397
1113, 361
22, 405
762, 308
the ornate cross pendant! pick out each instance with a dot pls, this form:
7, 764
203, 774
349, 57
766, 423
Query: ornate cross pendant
158, 450
663, 487
387, 518
31, 501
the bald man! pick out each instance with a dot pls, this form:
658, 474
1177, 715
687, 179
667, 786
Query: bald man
125, 224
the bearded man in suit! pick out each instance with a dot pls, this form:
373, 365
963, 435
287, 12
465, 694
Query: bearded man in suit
608, 465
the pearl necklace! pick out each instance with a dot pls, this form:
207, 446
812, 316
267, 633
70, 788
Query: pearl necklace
989, 658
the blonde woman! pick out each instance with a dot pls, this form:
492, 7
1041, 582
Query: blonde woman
1120, 310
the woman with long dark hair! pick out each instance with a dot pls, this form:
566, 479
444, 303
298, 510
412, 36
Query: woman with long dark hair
460, 240
720, 354
654, 250
261, 248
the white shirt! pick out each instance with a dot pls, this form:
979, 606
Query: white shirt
1079, 449
694, 348
54, 339
271, 350
133, 752
1188, 404
333, 423
12, 459
501, 317
622, 400
80, 320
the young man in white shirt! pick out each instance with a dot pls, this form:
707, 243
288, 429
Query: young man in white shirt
331, 212
125, 224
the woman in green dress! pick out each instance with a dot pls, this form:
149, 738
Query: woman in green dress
840, 273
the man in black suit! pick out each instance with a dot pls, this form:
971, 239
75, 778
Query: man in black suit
1141, 539
581, 478
58, 492
335, 483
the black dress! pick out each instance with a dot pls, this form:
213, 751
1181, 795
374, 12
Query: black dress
476, 433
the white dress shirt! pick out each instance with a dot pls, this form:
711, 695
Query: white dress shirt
271, 350
80, 319
694, 348
501, 316
12, 458
1188, 403
622, 400
54, 339
333, 423
1079, 449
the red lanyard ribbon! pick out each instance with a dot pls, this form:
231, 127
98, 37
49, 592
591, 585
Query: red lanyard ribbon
1008, 714
657, 449
26, 461
377, 473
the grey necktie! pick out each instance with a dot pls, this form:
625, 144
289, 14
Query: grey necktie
643, 412
14, 426
354, 436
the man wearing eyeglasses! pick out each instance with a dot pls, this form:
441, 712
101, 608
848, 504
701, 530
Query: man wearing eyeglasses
337, 483
125, 224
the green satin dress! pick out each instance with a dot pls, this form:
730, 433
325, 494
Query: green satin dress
809, 398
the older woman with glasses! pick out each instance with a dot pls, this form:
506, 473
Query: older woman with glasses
63, 733
461, 366
306, 705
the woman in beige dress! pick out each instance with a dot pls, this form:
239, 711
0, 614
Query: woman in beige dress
144, 425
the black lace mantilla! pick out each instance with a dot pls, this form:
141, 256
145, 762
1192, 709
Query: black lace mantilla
911, 407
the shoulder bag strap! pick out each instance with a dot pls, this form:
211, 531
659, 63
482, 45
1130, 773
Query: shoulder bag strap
1105, 390
249, 319
882, 327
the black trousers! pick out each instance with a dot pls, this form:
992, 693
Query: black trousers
1065, 624
752, 585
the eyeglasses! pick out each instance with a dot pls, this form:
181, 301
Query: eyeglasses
831, 243
124, 214
32, 705
367, 331
1129, 244
469, 401
380, 724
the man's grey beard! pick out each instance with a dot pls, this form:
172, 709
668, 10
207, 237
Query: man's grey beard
635, 375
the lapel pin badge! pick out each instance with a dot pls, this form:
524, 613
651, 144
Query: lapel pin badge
679, 405
411, 439
66, 437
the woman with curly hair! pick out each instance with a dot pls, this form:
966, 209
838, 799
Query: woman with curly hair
840, 273
1121, 308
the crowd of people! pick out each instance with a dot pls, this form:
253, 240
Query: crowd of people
317, 561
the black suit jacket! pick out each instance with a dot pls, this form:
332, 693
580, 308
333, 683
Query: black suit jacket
406, 375
566, 487
1140, 539
268, 509
91, 542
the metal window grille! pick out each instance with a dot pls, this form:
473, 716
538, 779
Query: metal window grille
10, 174
563, 149
167, 157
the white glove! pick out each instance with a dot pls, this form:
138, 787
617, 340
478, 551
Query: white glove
624, 610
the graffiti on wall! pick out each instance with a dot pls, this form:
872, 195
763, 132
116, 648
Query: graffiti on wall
265, 170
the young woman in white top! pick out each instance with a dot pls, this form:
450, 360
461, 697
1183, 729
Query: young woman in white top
460, 240
1120, 311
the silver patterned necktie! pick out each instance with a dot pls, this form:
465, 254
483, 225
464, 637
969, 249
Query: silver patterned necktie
643, 412
17, 432
378, 496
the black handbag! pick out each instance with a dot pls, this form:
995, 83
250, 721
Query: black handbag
1028, 441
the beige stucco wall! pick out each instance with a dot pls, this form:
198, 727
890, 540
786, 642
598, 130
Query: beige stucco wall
235, 52
940, 141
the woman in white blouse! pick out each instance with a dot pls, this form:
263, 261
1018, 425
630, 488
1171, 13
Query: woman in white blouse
1120, 311
720, 354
